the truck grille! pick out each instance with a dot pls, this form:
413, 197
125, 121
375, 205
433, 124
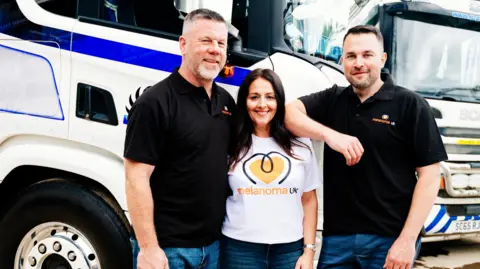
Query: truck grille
462, 149
461, 179
459, 132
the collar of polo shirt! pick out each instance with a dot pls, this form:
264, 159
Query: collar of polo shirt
187, 87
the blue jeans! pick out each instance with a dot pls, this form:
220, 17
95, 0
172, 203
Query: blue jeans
187, 258
357, 251
235, 254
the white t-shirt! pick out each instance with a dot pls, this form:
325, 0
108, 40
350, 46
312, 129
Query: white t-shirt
266, 205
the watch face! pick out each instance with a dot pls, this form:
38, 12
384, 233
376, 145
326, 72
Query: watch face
312, 247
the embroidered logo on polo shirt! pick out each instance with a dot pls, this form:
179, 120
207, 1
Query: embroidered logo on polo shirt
225, 111
384, 119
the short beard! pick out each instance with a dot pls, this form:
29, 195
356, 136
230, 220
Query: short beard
363, 85
207, 74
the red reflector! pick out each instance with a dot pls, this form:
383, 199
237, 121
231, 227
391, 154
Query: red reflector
228, 71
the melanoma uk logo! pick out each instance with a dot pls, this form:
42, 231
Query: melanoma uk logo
272, 169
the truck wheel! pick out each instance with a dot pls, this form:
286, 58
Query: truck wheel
58, 225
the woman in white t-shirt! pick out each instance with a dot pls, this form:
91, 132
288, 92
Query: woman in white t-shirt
272, 214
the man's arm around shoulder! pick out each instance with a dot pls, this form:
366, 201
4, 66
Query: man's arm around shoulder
300, 124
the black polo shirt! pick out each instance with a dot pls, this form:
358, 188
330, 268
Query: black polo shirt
177, 128
398, 133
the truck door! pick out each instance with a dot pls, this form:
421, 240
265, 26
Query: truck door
34, 66
118, 48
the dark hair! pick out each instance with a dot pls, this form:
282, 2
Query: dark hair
203, 13
365, 29
244, 125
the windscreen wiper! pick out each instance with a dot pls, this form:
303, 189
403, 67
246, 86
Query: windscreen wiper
452, 93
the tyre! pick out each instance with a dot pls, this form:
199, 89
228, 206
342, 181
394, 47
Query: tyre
59, 225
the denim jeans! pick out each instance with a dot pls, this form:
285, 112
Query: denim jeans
187, 258
357, 251
235, 254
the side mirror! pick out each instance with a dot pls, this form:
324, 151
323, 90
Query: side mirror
223, 7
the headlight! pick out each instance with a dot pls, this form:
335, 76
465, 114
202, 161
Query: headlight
474, 181
460, 181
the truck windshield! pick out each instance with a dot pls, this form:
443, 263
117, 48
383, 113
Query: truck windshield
437, 61
315, 27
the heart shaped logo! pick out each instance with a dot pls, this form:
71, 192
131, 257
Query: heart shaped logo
267, 167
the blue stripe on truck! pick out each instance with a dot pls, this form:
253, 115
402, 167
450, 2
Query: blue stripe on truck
139, 56
436, 220
445, 227
101, 48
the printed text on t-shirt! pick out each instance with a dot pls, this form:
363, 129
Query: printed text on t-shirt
267, 191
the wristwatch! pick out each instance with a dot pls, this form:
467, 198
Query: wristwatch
312, 247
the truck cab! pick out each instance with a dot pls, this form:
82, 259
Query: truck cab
70, 71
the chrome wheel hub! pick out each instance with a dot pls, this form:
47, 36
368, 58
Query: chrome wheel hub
55, 245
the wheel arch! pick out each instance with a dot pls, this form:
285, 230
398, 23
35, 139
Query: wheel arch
32, 159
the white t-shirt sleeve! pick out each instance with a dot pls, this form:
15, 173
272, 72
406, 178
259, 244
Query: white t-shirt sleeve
313, 174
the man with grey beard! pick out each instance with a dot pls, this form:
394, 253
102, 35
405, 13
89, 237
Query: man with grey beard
176, 154
379, 138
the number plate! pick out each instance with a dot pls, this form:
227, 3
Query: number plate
466, 226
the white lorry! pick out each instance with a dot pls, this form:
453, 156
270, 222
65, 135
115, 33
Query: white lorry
68, 69
69, 72
434, 49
